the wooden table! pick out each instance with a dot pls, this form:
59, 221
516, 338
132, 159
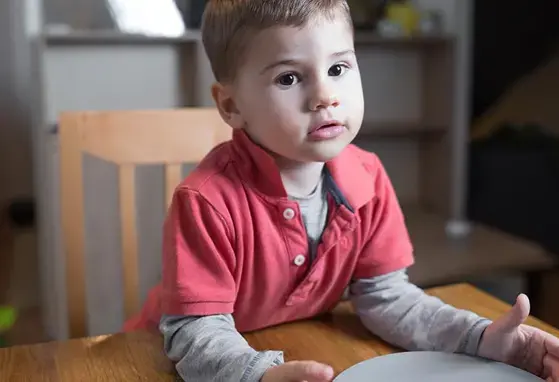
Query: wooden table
337, 339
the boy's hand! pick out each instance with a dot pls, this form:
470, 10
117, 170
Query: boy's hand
508, 340
299, 371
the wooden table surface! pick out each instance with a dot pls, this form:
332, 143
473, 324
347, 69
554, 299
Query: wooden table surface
337, 339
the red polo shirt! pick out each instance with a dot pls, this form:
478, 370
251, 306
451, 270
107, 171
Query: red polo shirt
234, 242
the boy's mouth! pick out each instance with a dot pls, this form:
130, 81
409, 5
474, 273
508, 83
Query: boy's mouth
325, 125
326, 130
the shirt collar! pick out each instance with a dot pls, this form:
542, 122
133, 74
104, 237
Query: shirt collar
346, 178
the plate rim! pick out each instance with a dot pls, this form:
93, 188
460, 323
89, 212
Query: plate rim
426, 352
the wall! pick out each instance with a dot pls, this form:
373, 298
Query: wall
15, 125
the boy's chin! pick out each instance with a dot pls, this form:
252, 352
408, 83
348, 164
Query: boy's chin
326, 153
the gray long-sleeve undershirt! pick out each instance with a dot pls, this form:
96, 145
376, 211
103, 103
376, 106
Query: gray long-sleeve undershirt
210, 348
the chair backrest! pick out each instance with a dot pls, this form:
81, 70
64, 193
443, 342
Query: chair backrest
126, 139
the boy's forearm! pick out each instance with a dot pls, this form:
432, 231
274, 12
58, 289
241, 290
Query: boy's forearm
210, 349
402, 314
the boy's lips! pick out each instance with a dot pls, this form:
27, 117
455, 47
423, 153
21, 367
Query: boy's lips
325, 124
326, 130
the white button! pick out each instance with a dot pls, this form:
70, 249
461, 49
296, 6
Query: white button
288, 213
299, 260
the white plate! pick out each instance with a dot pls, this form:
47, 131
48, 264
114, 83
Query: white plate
433, 367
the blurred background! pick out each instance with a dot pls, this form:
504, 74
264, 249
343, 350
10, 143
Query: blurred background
460, 106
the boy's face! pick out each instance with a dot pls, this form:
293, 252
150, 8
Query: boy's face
298, 92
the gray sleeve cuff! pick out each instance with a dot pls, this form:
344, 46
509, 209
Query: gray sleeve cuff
473, 339
260, 363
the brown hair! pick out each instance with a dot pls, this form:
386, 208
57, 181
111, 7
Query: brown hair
227, 25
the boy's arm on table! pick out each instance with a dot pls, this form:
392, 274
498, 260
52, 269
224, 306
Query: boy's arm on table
404, 315
199, 334
209, 348
388, 304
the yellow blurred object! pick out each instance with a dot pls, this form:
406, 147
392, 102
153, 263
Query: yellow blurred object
404, 14
531, 99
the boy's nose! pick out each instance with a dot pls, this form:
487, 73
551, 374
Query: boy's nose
323, 98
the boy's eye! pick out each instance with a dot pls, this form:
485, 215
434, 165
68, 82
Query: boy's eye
288, 79
336, 70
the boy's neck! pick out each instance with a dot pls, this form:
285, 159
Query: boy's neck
300, 179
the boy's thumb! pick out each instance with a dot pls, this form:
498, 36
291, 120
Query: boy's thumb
515, 316
307, 371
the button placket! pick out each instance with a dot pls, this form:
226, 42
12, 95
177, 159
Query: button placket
295, 249
340, 237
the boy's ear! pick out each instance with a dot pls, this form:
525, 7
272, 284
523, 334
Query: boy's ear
223, 98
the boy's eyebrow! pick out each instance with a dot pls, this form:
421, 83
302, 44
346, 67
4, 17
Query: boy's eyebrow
278, 63
294, 62
343, 53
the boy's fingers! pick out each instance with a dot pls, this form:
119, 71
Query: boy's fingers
515, 316
309, 371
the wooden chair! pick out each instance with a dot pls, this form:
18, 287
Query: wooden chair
127, 139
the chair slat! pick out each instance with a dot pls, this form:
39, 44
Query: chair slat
127, 193
73, 235
173, 175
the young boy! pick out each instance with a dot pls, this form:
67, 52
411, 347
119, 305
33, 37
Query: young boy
273, 226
